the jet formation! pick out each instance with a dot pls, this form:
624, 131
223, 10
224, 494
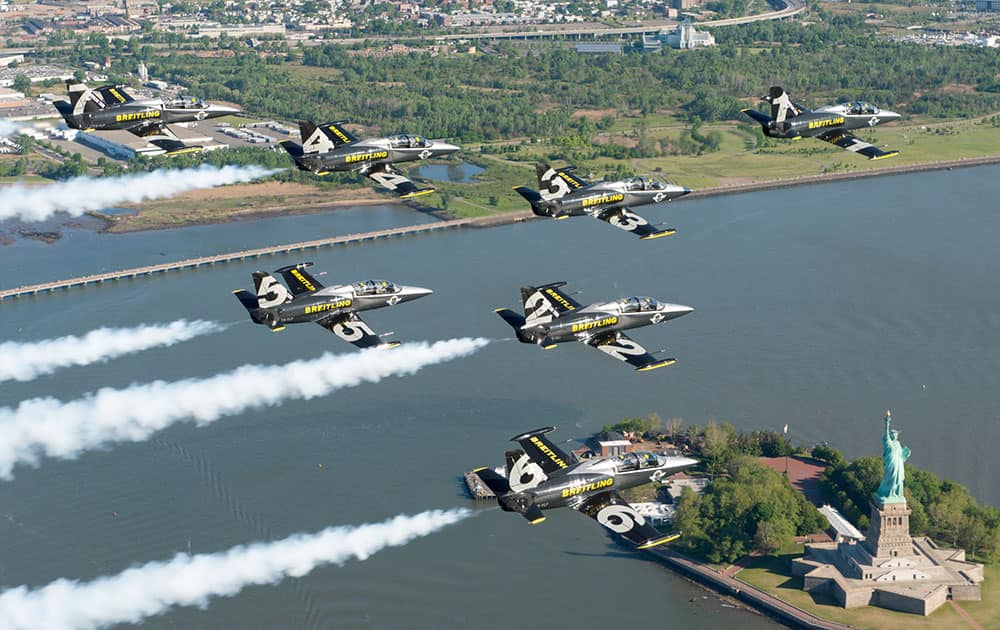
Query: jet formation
111, 107
564, 194
552, 316
331, 147
334, 308
542, 476
830, 123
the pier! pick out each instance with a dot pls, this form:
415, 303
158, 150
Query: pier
747, 593
274, 250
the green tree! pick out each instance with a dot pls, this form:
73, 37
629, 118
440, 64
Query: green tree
22, 84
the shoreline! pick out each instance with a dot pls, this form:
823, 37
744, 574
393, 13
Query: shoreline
848, 175
519, 216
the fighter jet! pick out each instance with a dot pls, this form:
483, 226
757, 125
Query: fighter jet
831, 123
111, 107
542, 476
331, 147
334, 308
564, 194
552, 316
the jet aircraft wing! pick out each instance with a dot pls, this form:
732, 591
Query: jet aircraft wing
299, 280
354, 330
758, 116
845, 140
612, 511
388, 177
161, 136
629, 221
622, 347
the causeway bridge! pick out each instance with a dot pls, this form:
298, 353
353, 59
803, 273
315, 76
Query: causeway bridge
194, 263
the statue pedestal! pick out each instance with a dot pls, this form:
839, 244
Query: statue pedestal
889, 534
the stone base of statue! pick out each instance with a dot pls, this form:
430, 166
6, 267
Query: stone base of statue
889, 534
889, 568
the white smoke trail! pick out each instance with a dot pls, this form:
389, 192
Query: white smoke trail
25, 361
8, 127
46, 426
82, 194
154, 588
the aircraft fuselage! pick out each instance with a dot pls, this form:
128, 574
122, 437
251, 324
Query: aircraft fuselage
600, 319
362, 156
826, 119
339, 300
603, 196
574, 484
143, 113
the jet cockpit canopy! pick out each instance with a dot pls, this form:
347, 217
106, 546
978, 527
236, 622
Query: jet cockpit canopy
643, 183
375, 287
408, 142
185, 102
857, 108
638, 304
636, 461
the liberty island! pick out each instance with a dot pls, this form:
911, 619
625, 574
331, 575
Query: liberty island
889, 568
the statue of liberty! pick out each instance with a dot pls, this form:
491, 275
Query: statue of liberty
894, 456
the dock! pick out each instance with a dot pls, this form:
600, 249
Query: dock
477, 489
274, 250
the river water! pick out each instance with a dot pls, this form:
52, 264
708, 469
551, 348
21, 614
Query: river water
817, 306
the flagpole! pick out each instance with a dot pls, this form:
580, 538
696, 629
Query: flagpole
786, 449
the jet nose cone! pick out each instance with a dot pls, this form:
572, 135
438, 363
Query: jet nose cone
443, 148
412, 293
885, 114
677, 462
676, 310
222, 110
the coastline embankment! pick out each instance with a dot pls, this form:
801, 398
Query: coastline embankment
477, 222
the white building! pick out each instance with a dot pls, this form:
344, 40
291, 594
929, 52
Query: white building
686, 37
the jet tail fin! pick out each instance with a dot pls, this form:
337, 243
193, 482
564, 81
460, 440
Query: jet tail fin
249, 302
270, 292
515, 321
543, 451
324, 138
782, 107
538, 205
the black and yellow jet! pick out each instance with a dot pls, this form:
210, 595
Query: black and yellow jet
541, 476
112, 107
552, 316
331, 147
830, 123
562, 194
335, 308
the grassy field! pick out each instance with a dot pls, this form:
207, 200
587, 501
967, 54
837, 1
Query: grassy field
217, 205
738, 160
773, 574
